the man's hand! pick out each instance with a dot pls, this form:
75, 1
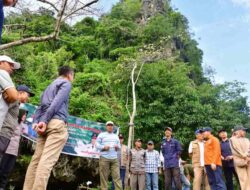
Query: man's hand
116, 147
213, 166
106, 148
160, 171
222, 157
229, 158
40, 128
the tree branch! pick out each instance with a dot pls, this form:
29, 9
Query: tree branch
80, 8
51, 4
59, 18
27, 40
127, 100
138, 75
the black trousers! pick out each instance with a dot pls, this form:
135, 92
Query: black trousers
4, 143
172, 174
6, 165
228, 173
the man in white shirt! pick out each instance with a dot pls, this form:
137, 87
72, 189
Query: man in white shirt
8, 92
196, 152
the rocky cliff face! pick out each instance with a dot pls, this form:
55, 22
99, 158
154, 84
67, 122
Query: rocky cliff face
151, 8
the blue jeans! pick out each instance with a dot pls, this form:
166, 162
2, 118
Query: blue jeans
122, 175
184, 181
152, 181
215, 178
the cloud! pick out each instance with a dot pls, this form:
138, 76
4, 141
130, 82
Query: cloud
245, 3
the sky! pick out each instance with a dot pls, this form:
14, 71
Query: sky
222, 29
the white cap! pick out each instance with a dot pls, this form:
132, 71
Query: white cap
109, 123
9, 60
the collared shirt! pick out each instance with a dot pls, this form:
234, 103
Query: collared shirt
11, 120
201, 146
5, 83
152, 161
108, 139
226, 151
171, 151
54, 102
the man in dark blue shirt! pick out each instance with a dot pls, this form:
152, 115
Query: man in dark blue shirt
227, 160
171, 151
50, 123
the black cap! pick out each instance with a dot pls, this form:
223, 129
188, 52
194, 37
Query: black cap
138, 140
240, 127
222, 130
207, 129
150, 142
168, 129
198, 131
120, 136
25, 89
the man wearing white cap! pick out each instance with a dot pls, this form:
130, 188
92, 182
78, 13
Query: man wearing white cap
108, 143
8, 92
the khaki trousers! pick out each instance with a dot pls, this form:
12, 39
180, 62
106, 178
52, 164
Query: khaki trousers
105, 166
48, 150
199, 177
244, 176
137, 180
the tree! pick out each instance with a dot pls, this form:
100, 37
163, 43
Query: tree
64, 9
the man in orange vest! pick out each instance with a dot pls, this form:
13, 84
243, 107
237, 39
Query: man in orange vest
212, 157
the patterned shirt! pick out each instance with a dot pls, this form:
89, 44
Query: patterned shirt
152, 161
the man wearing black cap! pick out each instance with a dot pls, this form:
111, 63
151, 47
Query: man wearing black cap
152, 166
213, 162
227, 159
240, 146
171, 151
137, 166
11, 119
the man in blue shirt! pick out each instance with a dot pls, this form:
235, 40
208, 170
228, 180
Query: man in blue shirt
50, 123
227, 160
171, 151
108, 144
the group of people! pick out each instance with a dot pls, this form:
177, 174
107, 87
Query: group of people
49, 122
210, 159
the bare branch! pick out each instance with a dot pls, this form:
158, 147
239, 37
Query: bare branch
59, 18
138, 75
27, 40
80, 8
62, 15
50, 3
